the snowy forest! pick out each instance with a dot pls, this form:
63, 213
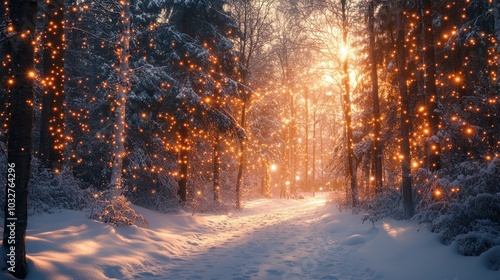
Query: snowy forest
388, 109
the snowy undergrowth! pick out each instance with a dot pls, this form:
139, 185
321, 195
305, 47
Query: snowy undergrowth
388, 204
50, 192
465, 209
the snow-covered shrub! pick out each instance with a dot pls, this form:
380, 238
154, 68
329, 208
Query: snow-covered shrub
474, 243
49, 191
464, 208
387, 204
114, 210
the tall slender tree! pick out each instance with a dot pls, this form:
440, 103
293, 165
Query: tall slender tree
23, 26
346, 96
405, 114
122, 89
252, 18
377, 136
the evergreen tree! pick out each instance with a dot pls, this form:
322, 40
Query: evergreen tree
52, 130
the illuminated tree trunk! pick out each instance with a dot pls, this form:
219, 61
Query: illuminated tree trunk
313, 175
351, 172
183, 163
23, 15
51, 150
241, 160
306, 143
121, 102
216, 173
292, 146
405, 119
377, 146
267, 179
433, 114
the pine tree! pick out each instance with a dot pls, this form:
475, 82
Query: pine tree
432, 98
52, 122
200, 61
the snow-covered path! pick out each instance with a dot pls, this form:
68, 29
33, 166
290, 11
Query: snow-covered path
283, 243
269, 239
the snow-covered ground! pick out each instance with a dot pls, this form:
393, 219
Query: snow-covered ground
269, 239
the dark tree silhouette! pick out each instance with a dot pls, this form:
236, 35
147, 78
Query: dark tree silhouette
23, 18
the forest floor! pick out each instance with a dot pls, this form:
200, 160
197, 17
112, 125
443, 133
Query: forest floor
269, 239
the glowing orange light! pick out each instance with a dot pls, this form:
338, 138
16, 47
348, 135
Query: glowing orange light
274, 167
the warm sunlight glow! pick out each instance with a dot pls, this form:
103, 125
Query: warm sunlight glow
344, 52
394, 231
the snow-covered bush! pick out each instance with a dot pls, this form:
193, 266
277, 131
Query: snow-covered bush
464, 208
114, 210
50, 191
386, 204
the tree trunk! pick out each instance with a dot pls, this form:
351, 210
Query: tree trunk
306, 143
313, 175
216, 173
241, 160
267, 179
351, 172
51, 150
405, 119
377, 146
292, 145
183, 163
121, 102
433, 114
23, 15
